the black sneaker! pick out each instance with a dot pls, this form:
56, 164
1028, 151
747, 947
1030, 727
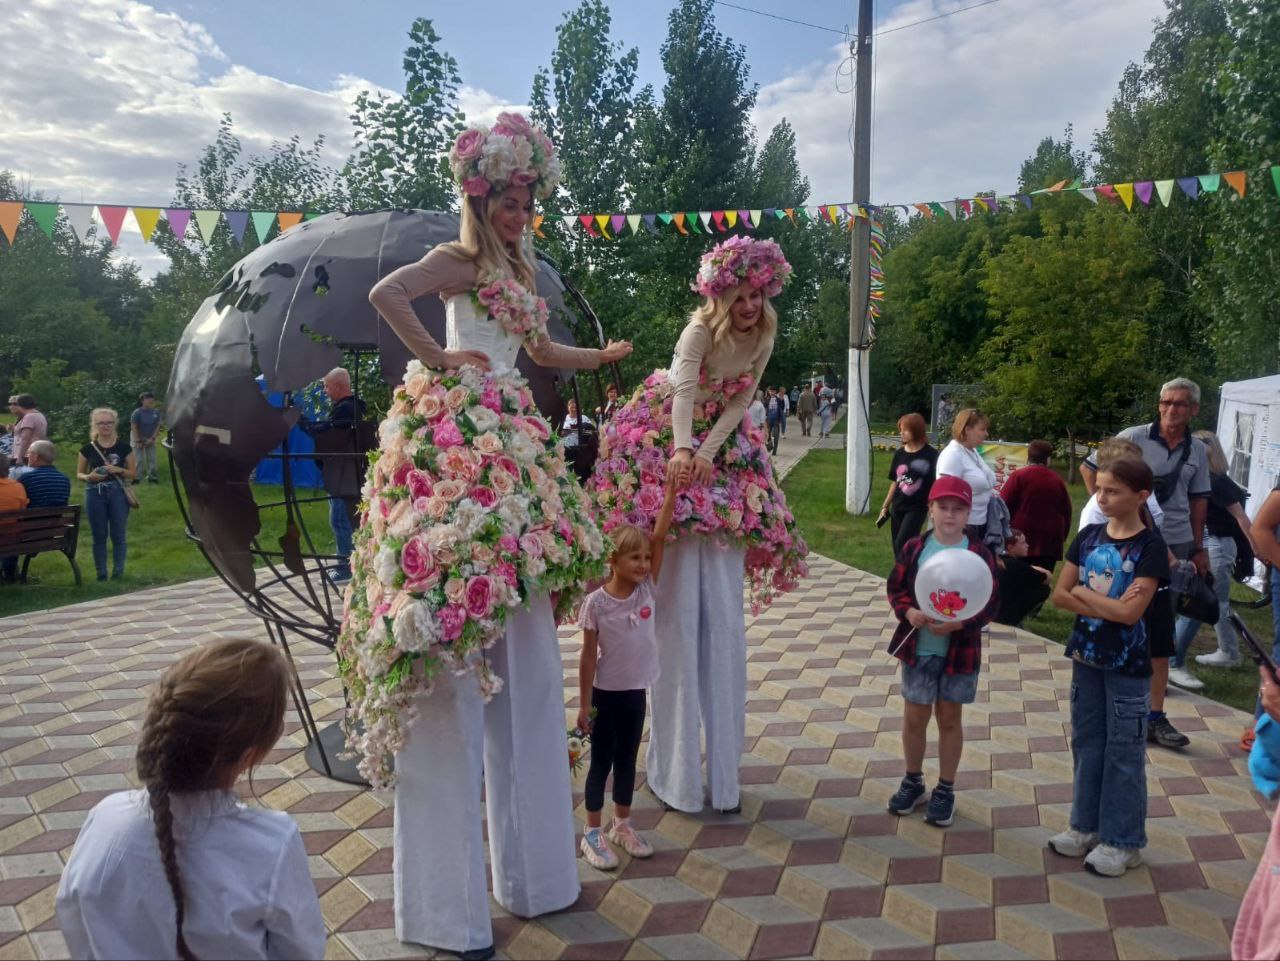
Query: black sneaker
1165, 734
942, 808
909, 797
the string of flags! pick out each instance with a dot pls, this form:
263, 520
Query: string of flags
611, 226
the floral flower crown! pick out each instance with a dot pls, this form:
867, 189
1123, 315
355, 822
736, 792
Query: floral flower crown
742, 260
512, 154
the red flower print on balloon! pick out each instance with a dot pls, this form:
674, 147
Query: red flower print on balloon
947, 603
646, 612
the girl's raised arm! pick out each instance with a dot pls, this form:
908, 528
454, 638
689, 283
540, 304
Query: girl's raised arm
660, 528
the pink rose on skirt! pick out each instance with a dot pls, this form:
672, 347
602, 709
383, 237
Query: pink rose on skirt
416, 560
507, 571
489, 397
649, 499
484, 496
447, 434
401, 475
419, 483
531, 544
479, 597
452, 618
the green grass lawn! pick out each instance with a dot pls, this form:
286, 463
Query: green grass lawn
159, 550
815, 492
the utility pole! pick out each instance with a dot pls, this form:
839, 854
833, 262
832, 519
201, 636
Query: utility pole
857, 482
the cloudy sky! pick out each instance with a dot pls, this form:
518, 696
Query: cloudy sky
100, 100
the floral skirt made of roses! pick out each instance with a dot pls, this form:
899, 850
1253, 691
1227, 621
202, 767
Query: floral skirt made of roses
743, 505
468, 510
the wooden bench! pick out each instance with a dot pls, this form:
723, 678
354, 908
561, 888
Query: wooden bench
38, 530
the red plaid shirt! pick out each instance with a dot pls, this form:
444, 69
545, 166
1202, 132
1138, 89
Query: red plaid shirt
964, 655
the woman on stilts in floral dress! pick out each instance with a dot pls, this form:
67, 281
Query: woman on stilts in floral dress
448, 647
687, 427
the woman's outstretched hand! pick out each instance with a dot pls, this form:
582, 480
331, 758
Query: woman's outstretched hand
678, 469
454, 359
700, 472
614, 351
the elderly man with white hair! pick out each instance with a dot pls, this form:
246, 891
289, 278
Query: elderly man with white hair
45, 486
343, 474
1180, 465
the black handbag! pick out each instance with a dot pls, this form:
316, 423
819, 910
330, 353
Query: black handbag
1194, 597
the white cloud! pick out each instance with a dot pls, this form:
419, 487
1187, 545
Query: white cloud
482, 107
961, 102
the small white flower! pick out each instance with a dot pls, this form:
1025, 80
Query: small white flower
524, 450
483, 418
386, 564
498, 159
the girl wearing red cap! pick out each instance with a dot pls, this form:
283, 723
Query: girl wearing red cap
940, 661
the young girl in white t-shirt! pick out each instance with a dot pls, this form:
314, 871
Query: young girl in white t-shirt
619, 661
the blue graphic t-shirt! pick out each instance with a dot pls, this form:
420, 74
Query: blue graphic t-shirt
1110, 567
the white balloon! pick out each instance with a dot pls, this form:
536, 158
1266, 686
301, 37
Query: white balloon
953, 585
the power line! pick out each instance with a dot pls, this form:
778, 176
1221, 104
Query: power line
941, 16
845, 32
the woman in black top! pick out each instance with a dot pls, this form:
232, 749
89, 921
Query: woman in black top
1225, 516
105, 465
910, 477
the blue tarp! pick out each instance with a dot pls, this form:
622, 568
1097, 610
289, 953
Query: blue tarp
302, 467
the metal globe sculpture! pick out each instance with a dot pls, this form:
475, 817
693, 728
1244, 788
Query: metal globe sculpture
283, 317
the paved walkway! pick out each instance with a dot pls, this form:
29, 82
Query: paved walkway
813, 866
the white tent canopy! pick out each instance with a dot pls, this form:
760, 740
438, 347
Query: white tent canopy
1249, 429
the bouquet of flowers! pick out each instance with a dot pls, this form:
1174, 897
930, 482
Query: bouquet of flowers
521, 313
742, 260
469, 510
514, 153
743, 504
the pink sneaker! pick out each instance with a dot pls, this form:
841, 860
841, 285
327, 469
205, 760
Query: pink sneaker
624, 836
597, 851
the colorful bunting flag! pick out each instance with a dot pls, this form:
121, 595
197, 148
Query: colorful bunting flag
679, 218
705, 218
178, 218
146, 218
313, 214
80, 216
950, 207
112, 218
718, 217
537, 225
924, 209
1142, 190
634, 221
1275, 178
1108, 191
289, 219
1210, 183
207, 223
45, 215
1164, 188
650, 218
602, 221
586, 222
1236, 179
1190, 186
10, 215
1126, 194
262, 223
237, 220
1088, 195
966, 207
732, 217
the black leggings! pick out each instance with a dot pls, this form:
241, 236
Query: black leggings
906, 526
615, 745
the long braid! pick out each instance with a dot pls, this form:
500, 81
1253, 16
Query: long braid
162, 814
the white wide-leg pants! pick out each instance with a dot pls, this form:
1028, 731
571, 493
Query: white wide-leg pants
702, 656
518, 742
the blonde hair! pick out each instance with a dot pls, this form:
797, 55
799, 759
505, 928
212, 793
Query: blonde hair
1217, 456
967, 418
1115, 448
479, 243
93, 415
625, 539
713, 313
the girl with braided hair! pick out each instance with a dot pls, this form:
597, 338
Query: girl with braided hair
181, 868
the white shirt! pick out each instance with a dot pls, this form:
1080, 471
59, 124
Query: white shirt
757, 413
1090, 513
626, 643
571, 427
248, 890
957, 460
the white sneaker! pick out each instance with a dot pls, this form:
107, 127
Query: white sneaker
1112, 862
597, 851
1072, 843
624, 836
1184, 678
1218, 659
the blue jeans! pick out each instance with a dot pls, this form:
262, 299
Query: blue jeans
1109, 745
340, 511
108, 513
1222, 561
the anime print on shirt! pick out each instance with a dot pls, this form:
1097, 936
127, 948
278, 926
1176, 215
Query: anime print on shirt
1110, 567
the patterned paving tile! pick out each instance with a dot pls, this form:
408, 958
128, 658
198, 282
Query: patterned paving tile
814, 866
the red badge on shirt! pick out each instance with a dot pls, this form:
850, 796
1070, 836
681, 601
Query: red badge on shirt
646, 612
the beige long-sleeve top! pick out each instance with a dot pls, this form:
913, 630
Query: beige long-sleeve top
736, 355
443, 274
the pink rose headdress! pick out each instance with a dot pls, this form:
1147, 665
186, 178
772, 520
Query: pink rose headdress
513, 153
742, 260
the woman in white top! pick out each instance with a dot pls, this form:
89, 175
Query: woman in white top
756, 411
960, 458
181, 868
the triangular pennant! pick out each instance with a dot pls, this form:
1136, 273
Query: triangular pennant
586, 221
207, 223
1058, 186
1164, 190
293, 218
755, 214
924, 209
937, 208
665, 218
834, 213
650, 218
10, 214
679, 219
981, 203
147, 218
1108, 191
313, 214
178, 218
262, 221
237, 220
1210, 183
1126, 194
617, 222
1142, 190
1089, 194
46, 215
1190, 186
1026, 200
732, 217
966, 207
705, 217
950, 207
112, 218
80, 216
791, 213
1275, 178
603, 221
537, 226
634, 221
1233, 177
691, 218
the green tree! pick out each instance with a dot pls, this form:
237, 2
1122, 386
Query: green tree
1053, 162
1070, 308
402, 143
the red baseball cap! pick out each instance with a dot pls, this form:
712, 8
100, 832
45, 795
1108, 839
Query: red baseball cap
948, 486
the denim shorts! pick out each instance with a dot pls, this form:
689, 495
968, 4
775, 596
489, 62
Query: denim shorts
929, 682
